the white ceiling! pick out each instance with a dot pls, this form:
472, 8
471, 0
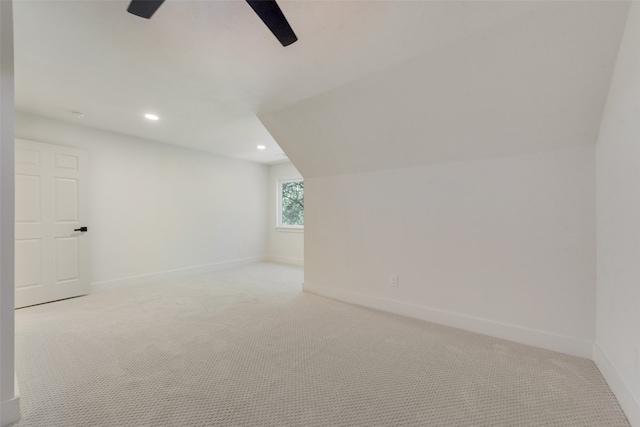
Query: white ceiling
536, 82
207, 68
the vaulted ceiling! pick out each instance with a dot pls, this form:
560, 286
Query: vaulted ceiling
536, 82
369, 84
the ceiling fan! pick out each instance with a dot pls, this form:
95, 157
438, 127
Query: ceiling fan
267, 10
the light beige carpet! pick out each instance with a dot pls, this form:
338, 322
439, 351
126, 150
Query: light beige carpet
245, 347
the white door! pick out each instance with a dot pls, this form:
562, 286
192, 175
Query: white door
51, 209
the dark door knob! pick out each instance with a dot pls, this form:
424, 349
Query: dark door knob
83, 229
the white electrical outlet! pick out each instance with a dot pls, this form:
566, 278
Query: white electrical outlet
393, 282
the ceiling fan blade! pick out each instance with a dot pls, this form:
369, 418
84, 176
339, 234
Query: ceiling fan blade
272, 16
144, 8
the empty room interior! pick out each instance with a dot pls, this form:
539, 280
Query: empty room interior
319, 213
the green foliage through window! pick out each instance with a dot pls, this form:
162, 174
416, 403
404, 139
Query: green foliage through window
292, 203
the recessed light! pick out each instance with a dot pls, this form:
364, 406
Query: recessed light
77, 114
151, 116
261, 147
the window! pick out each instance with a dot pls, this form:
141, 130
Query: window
290, 203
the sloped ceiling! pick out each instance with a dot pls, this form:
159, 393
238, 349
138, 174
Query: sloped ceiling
207, 68
535, 82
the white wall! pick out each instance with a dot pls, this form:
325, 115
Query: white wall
9, 399
156, 208
618, 209
504, 246
284, 246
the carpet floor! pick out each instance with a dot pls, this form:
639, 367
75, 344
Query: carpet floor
245, 347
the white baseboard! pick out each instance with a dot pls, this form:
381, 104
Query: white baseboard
619, 386
285, 260
542, 339
10, 409
142, 279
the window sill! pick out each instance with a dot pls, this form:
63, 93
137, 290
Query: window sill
290, 229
